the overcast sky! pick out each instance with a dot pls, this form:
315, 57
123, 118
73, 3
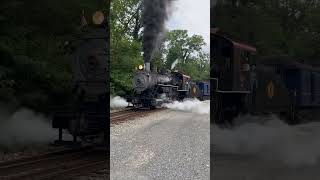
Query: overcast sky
192, 15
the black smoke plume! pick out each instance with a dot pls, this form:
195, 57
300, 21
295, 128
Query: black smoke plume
155, 14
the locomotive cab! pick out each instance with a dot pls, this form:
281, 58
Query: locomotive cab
231, 77
239, 86
231, 64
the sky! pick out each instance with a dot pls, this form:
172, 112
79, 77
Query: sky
191, 15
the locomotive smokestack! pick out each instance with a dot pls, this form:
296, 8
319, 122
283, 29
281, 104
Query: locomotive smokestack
147, 66
155, 13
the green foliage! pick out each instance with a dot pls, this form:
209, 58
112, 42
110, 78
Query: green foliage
34, 70
187, 53
125, 44
125, 56
277, 27
126, 18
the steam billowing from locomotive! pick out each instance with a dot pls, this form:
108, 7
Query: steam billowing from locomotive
155, 13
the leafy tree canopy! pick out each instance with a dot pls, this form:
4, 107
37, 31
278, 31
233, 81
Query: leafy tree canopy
34, 69
275, 27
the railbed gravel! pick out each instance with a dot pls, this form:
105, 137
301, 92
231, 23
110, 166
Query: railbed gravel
165, 145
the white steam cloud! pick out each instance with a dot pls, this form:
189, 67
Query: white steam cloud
190, 105
173, 65
118, 102
24, 127
271, 139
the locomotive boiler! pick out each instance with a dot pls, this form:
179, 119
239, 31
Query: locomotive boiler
144, 80
88, 115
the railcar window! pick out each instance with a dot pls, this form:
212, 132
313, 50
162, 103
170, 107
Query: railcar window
214, 48
244, 55
247, 56
226, 52
228, 63
277, 69
312, 81
252, 58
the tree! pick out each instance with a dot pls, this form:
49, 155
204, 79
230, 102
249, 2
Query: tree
285, 27
125, 44
126, 18
187, 52
34, 69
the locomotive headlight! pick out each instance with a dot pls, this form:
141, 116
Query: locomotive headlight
98, 18
140, 67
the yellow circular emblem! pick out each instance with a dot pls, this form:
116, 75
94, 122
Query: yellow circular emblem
98, 17
270, 90
194, 90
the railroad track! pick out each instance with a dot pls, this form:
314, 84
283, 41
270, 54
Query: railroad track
56, 165
65, 164
130, 114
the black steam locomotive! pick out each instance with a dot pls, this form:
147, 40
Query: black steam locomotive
88, 115
244, 84
152, 89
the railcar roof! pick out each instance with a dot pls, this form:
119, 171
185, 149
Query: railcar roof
186, 76
204, 81
286, 61
240, 45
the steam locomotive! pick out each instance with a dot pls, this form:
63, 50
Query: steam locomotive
87, 116
243, 83
152, 89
